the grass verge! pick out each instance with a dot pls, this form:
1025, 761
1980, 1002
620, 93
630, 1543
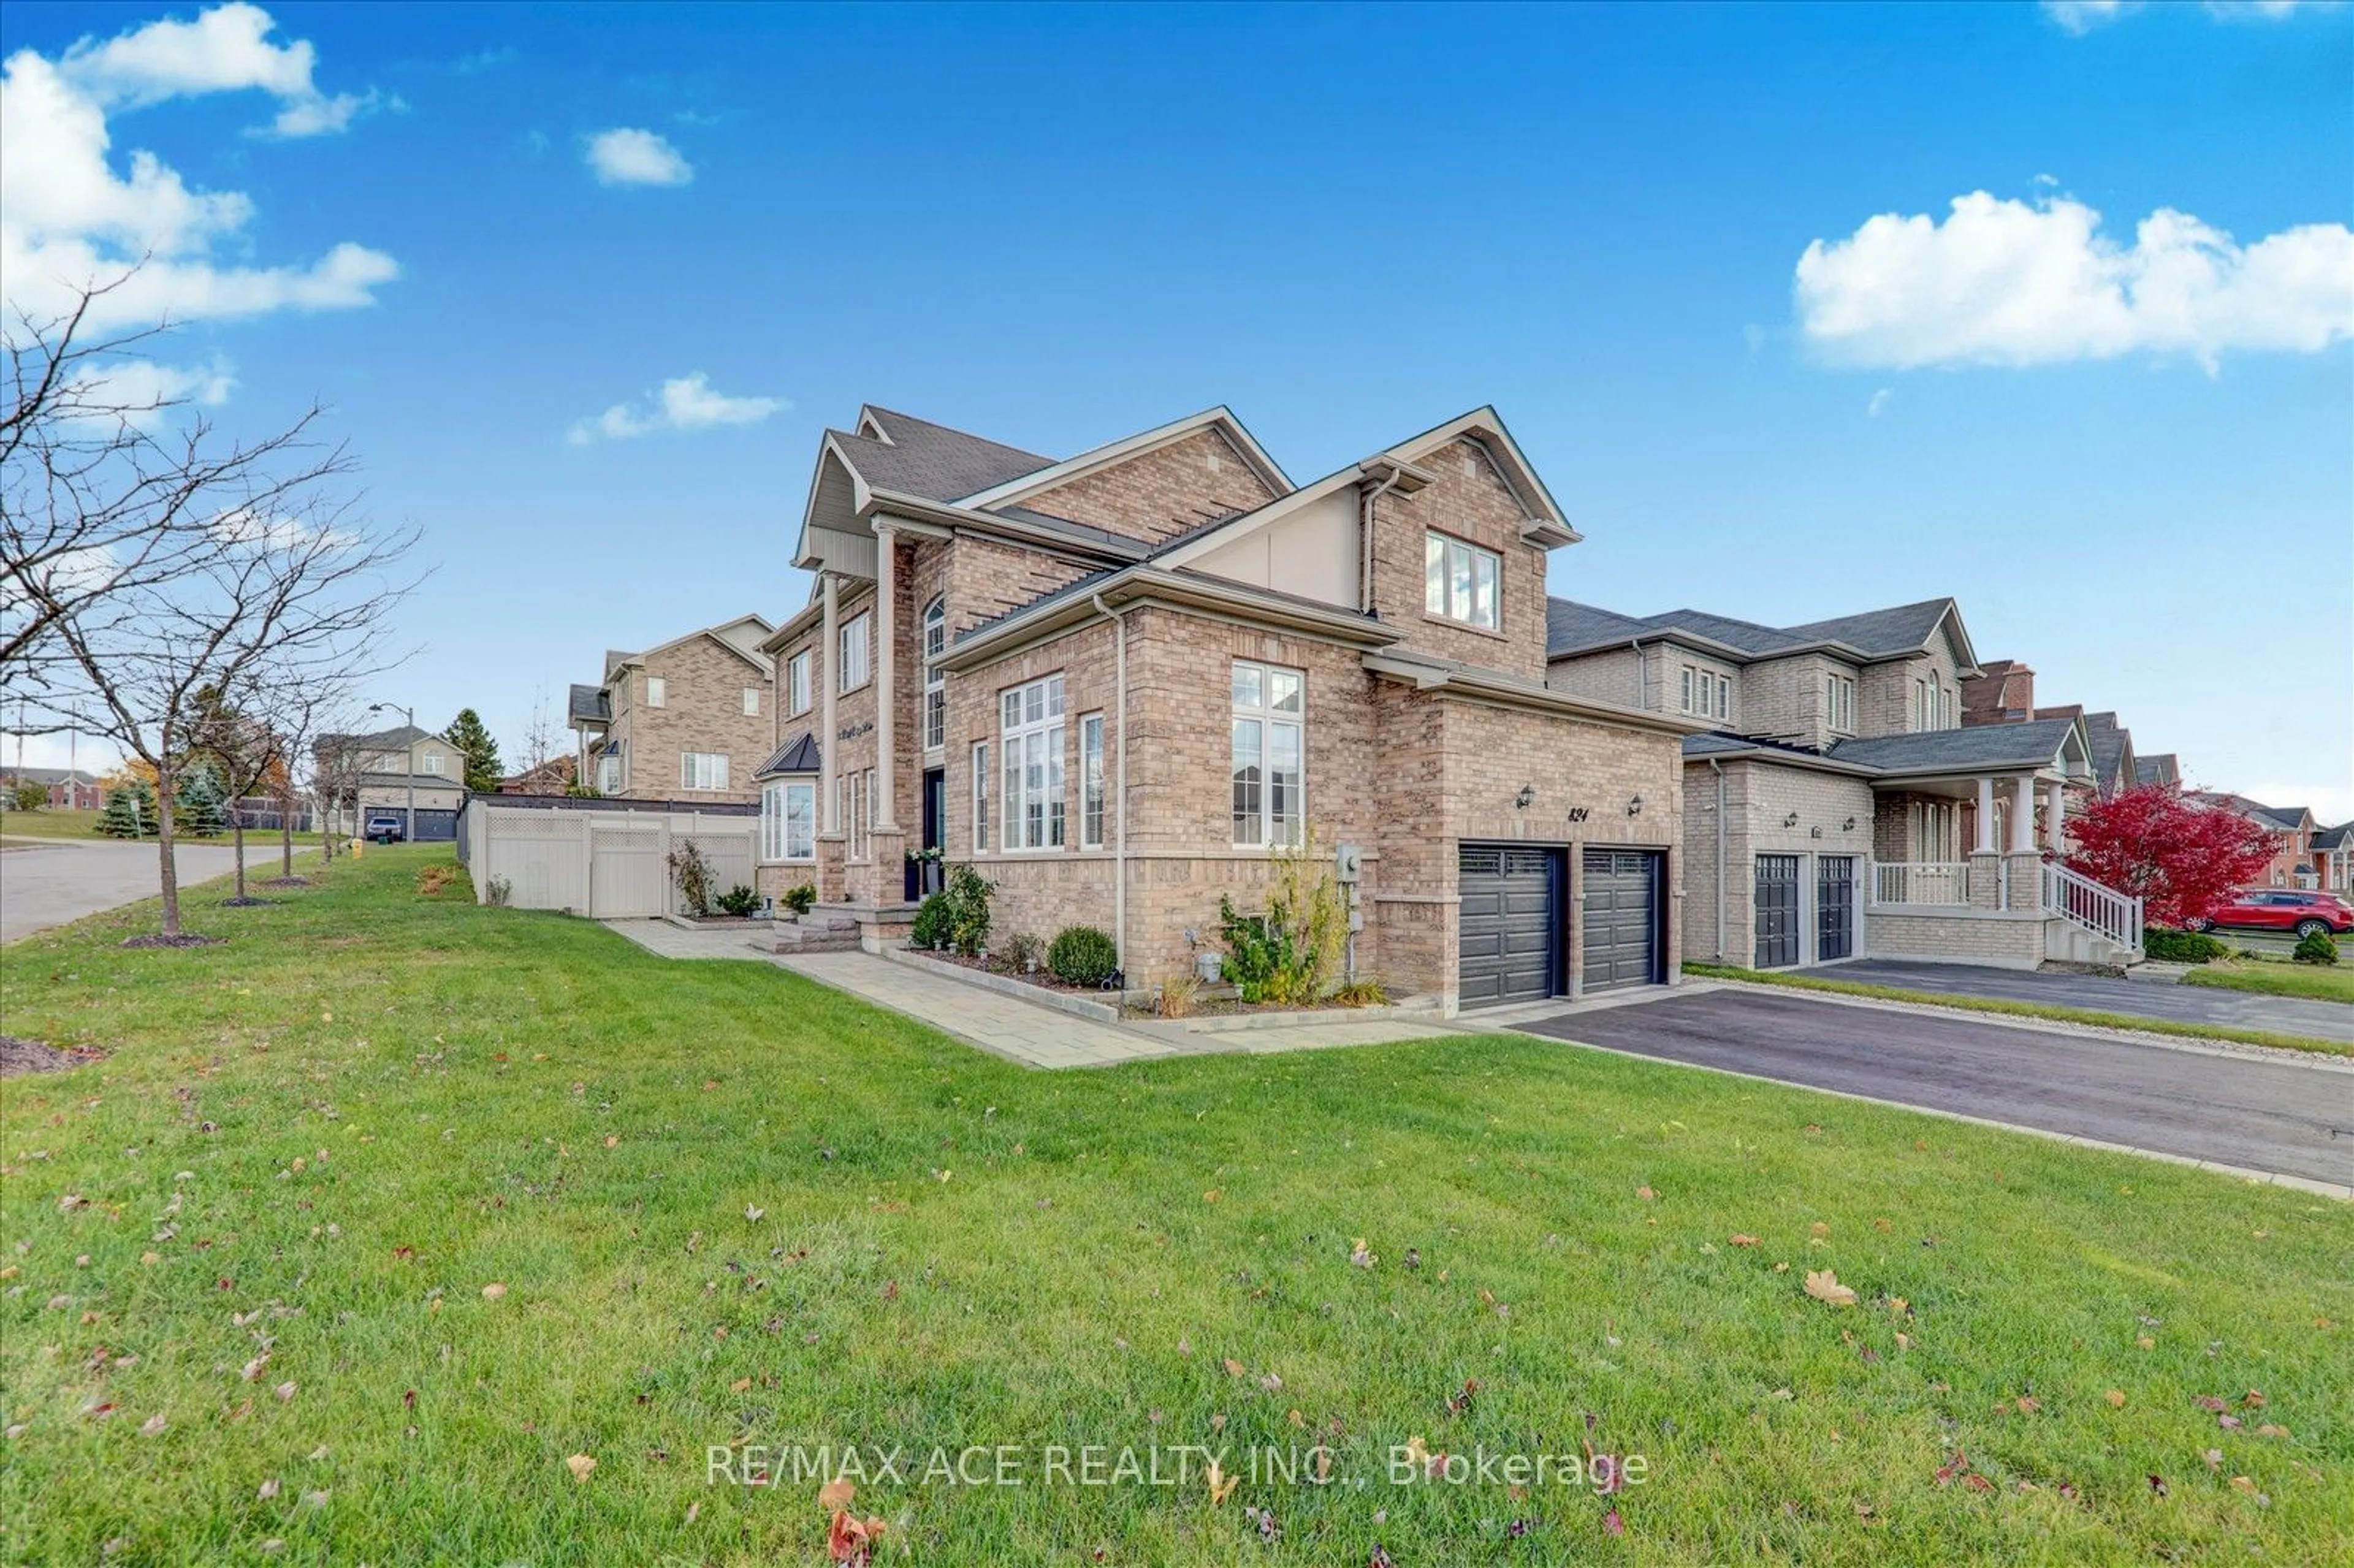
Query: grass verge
49, 823
2026, 1008
246, 1315
2319, 981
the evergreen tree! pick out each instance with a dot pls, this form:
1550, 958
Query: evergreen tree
130, 812
473, 739
197, 806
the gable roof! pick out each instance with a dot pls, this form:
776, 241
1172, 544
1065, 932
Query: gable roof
1573, 628
917, 457
398, 736
2039, 743
2158, 769
2280, 819
995, 496
2333, 837
2111, 743
742, 636
589, 704
50, 775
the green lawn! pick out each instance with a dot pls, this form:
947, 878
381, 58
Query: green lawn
2025, 1009
48, 823
727, 1206
2328, 982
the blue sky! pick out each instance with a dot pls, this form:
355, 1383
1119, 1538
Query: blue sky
1057, 225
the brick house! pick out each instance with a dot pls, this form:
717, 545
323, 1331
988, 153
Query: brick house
2333, 858
1121, 683
1840, 805
70, 789
688, 720
2294, 833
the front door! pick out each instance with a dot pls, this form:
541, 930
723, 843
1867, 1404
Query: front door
1835, 908
926, 873
1778, 911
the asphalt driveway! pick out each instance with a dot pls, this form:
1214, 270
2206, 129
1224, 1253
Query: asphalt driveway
53, 884
2254, 1113
2104, 994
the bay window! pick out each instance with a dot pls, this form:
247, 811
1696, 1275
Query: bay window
1270, 803
789, 819
1029, 728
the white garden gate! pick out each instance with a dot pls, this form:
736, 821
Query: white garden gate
607, 865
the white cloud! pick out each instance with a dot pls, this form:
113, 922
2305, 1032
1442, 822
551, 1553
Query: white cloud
73, 217
686, 403
87, 753
1878, 401
2014, 282
2080, 17
632, 157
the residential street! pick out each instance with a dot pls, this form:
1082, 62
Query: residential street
2278, 1116
50, 884
2102, 993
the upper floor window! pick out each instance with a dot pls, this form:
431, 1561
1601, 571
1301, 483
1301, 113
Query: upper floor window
1705, 692
655, 691
751, 702
797, 683
702, 769
608, 775
1839, 702
853, 652
432, 762
1030, 725
936, 689
1268, 779
1933, 704
1460, 581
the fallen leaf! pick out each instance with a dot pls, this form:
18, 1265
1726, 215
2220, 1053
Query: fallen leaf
2029, 1404
1360, 1254
1235, 1368
580, 1465
836, 1494
739, 1385
1613, 1524
2214, 1457
1742, 1239
753, 1213
493, 1291
2252, 1400
268, 1489
1645, 1193
2147, 1343
2271, 1429
153, 1426
1222, 1485
2158, 1485
851, 1540
285, 1391
1818, 1229
1824, 1286
2208, 1402
2116, 1396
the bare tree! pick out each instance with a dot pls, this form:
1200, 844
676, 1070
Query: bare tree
201, 565
539, 737
306, 714
244, 748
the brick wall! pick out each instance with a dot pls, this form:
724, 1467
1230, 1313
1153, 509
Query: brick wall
1788, 699
1470, 502
1615, 675
1759, 798
1964, 937
1163, 492
703, 710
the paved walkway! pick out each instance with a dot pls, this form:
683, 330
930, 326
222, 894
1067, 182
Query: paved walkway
2103, 993
1008, 1026
49, 884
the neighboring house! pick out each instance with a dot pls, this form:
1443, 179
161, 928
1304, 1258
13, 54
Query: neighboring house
2293, 829
1842, 805
2333, 857
71, 789
686, 720
2003, 691
2163, 768
393, 770
1121, 683
553, 777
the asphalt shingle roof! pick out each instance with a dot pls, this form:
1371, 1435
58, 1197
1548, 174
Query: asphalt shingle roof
589, 705
1977, 746
932, 461
1570, 626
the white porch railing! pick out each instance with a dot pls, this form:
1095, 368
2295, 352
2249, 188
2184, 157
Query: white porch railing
1920, 882
2101, 910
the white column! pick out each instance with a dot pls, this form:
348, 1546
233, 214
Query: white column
2055, 816
1986, 839
830, 650
2022, 814
886, 686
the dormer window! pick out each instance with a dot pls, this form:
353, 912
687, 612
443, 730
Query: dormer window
1462, 582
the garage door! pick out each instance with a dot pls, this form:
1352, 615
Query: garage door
1510, 944
1622, 918
1777, 910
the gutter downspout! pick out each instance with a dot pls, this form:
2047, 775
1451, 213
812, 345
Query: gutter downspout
1365, 538
1120, 766
1718, 768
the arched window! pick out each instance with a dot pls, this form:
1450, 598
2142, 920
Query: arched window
936, 691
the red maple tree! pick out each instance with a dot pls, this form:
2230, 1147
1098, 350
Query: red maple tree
2182, 860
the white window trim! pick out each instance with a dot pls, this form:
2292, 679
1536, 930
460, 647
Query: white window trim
1440, 551
433, 763
1092, 791
1053, 788
688, 771
863, 667
776, 826
798, 683
935, 711
980, 835
751, 702
1269, 718
657, 691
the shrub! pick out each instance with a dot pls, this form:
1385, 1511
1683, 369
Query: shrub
432, 879
739, 901
2181, 947
800, 900
497, 891
690, 872
2316, 948
1023, 952
968, 894
29, 796
1082, 955
1179, 992
1360, 992
1284, 955
932, 924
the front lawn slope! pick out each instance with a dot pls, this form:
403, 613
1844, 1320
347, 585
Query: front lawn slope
246, 1319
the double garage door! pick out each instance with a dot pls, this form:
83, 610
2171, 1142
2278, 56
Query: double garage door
1514, 921
1781, 902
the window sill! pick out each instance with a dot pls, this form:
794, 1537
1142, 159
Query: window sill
1454, 625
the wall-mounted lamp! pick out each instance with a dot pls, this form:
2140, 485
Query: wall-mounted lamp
1635, 807
1813, 832
1848, 826
1526, 798
1791, 820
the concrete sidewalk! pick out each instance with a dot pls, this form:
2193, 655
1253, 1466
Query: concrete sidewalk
1009, 1026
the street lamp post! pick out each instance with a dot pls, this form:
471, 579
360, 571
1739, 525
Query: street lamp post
408, 768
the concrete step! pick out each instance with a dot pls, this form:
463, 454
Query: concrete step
815, 933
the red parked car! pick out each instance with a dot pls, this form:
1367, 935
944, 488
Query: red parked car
2282, 909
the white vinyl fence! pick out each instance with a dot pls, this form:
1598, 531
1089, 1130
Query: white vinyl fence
605, 864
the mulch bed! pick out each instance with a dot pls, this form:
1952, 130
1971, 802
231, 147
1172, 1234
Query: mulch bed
1044, 978
18, 1057
184, 940
247, 903
288, 881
